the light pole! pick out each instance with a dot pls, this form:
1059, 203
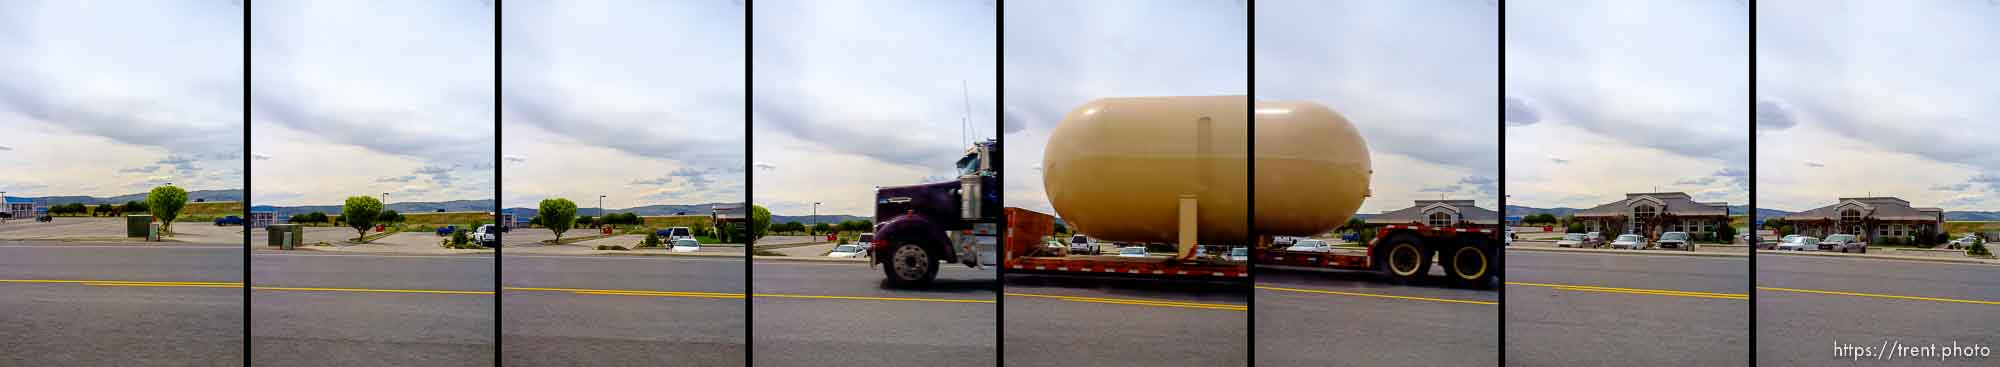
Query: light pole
600, 208
815, 220
4, 206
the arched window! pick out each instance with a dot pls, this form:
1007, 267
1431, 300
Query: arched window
1643, 212
1440, 219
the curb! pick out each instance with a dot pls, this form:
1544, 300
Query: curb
635, 253
1887, 257
96, 239
810, 259
789, 245
1629, 252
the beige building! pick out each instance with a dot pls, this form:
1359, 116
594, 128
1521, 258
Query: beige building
1439, 213
1873, 218
1653, 213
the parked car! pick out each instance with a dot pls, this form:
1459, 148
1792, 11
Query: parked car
1596, 237
686, 245
846, 251
45, 218
1843, 243
1351, 236
486, 235
1132, 251
1239, 254
1509, 239
1965, 242
1675, 240
1079, 244
229, 221
1577, 240
864, 239
1311, 246
675, 234
1798, 243
446, 230
1629, 241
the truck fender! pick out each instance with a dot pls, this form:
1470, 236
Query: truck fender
912, 228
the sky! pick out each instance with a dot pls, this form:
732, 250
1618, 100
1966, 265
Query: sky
851, 95
353, 98
1417, 78
1606, 98
641, 101
1061, 54
1882, 98
142, 94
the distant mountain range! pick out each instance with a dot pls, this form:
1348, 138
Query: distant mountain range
403, 207
649, 210
1514, 210
823, 218
201, 195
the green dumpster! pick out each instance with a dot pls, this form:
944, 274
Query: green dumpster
137, 225
285, 235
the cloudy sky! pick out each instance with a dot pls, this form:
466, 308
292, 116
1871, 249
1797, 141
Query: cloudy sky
365, 97
96, 99
1405, 73
638, 100
850, 95
1061, 54
1889, 98
1611, 97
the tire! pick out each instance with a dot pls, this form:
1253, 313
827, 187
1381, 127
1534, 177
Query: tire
909, 265
1399, 252
1469, 265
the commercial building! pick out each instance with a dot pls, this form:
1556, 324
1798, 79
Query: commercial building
1875, 219
1650, 214
1438, 213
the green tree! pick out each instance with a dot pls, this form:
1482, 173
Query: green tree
360, 213
133, 207
760, 222
821, 228
558, 215
1060, 228
1725, 234
105, 209
390, 217
165, 202
318, 217
652, 240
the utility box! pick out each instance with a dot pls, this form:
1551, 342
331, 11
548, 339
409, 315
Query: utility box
285, 235
153, 232
137, 225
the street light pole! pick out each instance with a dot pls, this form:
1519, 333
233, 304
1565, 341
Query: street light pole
600, 206
815, 219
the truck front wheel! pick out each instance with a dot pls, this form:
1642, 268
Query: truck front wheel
1405, 258
909, 265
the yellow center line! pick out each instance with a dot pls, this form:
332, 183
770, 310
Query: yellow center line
859, 298
368, 290
110, 281
1655, 292
1139, 302
1874, 295
1413, 298
663, 294
122, 284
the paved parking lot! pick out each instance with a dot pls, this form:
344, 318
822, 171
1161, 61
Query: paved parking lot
111, 229
1704, 247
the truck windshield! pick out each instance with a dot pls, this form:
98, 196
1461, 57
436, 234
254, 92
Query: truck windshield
1674, 236
1573, 237
968, 165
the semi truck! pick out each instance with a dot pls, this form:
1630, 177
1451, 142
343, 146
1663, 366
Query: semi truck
1169, 171
918, 227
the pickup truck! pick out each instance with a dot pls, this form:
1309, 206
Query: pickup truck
229, 221
446, 230
486, 235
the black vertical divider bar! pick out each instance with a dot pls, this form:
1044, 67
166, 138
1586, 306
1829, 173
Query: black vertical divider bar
1500, 139
1250, 179
498, 207
1751, 282
749, 186
247, 193
1000, 139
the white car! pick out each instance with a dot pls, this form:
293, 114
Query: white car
1798, 243
1964, 242
1079, 244
1132, 251
486, 235
846, 251
1310, 246
1570, 240
675, 234
1239, 254
1629, 241
686, 245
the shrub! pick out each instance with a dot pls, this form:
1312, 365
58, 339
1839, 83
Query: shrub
1725, 234
652, 240
1978, 249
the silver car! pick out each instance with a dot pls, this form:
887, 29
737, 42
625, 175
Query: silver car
1676, 240
1310, 246
1798, 243
1843, 243
1629, 241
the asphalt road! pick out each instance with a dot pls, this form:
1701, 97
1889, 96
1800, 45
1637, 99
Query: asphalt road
1365, 319
1581, 309
371, 310
622, 311
114, 320
1894, 301
842, 314
1073, 321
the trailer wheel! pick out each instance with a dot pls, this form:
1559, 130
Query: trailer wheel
1470, 265
910, 265
1406, 258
